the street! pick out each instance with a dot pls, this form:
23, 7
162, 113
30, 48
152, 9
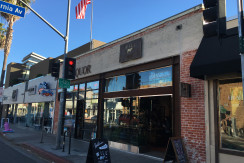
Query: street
10, 153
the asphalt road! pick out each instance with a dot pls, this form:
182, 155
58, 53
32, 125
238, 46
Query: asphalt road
10, 153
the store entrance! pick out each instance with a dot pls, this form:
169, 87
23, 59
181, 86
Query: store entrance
156, 118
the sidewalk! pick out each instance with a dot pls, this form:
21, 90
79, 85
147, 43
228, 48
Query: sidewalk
30, 138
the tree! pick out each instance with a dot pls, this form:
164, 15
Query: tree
10, 19
2, 36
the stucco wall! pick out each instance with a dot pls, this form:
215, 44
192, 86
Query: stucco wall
7, 94
39, 97
159, 41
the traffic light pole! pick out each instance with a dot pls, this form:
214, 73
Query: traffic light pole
241, 40
63, 93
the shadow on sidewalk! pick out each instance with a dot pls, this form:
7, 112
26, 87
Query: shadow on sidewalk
30, 138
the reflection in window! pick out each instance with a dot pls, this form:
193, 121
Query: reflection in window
231, 112
121, 120
161, 77
70, 107
93, 85
114, 84
156, 78
91, 109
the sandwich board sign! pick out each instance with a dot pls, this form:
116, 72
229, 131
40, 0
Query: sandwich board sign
12, 9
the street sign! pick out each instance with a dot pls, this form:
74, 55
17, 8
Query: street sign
63, 83
12, 9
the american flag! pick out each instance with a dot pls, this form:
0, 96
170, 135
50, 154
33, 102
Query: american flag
80, 9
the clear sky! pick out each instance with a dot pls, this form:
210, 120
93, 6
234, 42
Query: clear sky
113, 19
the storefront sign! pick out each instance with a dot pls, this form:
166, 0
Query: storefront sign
44, 90
83, 70
32, 90
131, 50
14, 95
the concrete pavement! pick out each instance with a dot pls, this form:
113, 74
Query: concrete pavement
30, 139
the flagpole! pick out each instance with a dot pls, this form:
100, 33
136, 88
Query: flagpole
91, 44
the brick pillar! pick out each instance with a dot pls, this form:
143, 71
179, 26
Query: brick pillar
193, 112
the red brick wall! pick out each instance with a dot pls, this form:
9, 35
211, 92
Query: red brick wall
193, 112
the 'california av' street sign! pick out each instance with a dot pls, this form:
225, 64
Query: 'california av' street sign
12, 9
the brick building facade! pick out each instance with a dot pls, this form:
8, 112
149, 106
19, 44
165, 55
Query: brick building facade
111, 97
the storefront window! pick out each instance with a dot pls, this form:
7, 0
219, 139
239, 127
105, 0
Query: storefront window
91, 109
93, 85
70, 108
231, 113
161, 77
156, 78
114, 84
139, 121
121, 120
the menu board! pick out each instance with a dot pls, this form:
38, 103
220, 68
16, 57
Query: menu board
98, 151
176, 151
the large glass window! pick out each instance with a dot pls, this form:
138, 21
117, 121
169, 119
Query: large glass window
140, 121
70, 108
121, 120
91, 109
146, 79
231, 115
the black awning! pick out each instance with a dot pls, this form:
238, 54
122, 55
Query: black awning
217, 56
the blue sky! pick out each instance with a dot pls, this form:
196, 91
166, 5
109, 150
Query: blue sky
112, 19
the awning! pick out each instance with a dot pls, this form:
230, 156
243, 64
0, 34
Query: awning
217, 56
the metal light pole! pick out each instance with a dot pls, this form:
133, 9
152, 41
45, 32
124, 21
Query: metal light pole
241, 40
63, 93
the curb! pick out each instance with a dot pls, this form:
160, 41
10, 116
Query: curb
44, 154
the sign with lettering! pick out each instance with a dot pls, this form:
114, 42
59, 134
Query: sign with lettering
63, 83
12, 9
176, 151
98, 151
32, 90
131, 50
83, 70
14, 95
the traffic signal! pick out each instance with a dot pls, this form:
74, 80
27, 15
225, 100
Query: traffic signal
70, 64
210, 16
214, 17
55, 69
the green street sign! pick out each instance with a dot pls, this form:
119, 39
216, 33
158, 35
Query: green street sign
241, 44
63, 83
